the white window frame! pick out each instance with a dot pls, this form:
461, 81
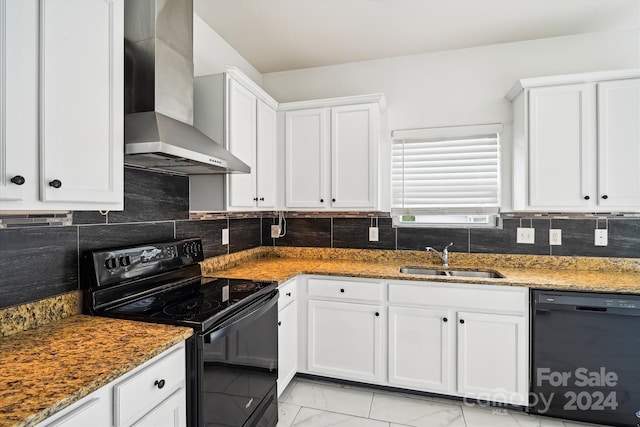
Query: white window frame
457, 214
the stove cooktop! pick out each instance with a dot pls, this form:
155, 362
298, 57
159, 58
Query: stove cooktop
198, 305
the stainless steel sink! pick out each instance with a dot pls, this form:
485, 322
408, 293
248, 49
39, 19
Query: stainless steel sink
484, 274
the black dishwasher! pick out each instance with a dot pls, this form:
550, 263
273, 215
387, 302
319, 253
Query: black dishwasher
586, 357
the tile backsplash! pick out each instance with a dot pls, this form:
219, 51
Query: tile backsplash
40, 259
577, 236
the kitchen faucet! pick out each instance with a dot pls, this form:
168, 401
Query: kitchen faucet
444, 256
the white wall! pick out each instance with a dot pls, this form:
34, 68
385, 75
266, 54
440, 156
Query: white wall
212, 54
463, 86
460, 87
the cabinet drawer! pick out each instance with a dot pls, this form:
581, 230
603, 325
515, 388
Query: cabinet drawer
345, 290
483, 297
140, 393
287, 294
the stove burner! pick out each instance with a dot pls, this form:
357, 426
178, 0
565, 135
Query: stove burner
146, 305
190, 308
244, 287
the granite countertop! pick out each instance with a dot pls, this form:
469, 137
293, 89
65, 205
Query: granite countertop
46, 369
542, 272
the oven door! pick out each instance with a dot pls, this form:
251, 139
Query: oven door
238, 363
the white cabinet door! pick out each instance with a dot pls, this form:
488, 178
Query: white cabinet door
81, 100
241, 140
287, 344
353, 156
170, 413
266, 156
306, 156
18, 100
421, 347
492, 359
562, 147
93, 410
344, 340
619, 144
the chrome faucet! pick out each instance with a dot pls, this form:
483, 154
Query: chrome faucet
444, 256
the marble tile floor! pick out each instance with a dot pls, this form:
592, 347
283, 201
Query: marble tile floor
313, 403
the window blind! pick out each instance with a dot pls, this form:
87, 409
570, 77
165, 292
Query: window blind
459, 174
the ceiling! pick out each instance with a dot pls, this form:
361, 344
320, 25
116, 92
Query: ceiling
279, 35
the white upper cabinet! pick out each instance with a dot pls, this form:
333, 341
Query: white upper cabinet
250, 136
577, 143
266, 155
241, 139
619, 144
561, 146
306, 145
234, 111
331, 151
62, 127
354, 144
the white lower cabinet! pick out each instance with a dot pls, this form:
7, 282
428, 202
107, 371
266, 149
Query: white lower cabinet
170, 413
421, 348
491, 356
345, 321
344, 340
463, 340
287, 335
152, 394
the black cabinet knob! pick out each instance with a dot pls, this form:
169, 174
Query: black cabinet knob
279, 323
333, 200
604, 196
159, 383
321, 200
56, 183
377, 314
445, 320
262, 199
587, 197
18, 180
461, 320
288, 294
255, 199
342, 290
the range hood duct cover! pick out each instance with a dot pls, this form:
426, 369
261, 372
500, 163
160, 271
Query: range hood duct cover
158, 123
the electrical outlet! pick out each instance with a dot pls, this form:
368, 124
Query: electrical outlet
555, 236
373, 234
275, 231
601, 237
526, 235
225, 236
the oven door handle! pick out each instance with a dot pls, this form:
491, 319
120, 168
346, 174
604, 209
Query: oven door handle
247, 315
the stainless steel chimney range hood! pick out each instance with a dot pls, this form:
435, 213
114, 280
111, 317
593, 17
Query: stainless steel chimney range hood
158, 123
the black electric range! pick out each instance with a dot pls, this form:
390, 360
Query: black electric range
234, 322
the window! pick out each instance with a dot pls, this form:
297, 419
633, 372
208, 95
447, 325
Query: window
446, 176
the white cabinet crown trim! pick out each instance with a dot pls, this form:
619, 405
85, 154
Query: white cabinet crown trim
564, 79
376, 98
252, 86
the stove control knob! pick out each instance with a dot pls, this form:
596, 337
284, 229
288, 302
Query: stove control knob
124, 261
110, 263
186, 249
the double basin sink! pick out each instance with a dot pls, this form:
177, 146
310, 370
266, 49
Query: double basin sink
483, 274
